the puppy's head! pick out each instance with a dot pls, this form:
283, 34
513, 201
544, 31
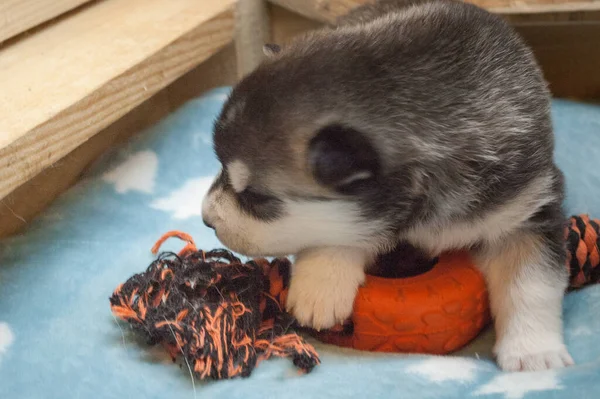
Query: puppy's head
301, 166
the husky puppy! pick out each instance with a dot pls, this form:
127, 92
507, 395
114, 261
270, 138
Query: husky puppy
419, 121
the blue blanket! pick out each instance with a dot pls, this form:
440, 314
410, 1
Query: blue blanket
58, 338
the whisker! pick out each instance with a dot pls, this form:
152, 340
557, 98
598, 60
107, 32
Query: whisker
121, 329
184, 358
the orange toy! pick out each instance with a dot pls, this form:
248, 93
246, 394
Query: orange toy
436, 312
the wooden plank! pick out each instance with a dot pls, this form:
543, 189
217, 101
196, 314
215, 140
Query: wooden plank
566, 8
23, 204
286, 24
61, 86
329, 10
251, 33
320, 10
17, 16
545, 17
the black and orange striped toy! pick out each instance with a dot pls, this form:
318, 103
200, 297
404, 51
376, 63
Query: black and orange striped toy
224, 316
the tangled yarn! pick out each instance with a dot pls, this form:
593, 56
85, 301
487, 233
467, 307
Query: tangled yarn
223, 316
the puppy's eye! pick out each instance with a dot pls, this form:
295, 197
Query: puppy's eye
252, 197
261, 206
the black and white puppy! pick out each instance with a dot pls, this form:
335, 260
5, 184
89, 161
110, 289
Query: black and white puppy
426, 121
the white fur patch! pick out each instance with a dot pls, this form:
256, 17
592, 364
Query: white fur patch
517, 385
6, 338
526, 301
492, 227
324, 284
186, 201
239, 175
581, 331
442, 369
136, 173
305, 224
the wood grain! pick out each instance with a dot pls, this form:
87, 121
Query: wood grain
577, 10
329, 10
64, 84
286, 24
320, 10
17, 16
24, 203
547, 17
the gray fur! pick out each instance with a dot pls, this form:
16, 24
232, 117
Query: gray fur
447, 94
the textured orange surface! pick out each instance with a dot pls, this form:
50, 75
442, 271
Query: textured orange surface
436, 312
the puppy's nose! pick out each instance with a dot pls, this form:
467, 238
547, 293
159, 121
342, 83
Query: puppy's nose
207, 224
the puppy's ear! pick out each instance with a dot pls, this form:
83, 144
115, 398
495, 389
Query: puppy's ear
341, 157
271, 49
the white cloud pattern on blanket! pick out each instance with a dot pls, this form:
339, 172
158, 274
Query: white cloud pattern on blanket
581, 331
186, 201
441, 369
136, 173
517, 385
6, 338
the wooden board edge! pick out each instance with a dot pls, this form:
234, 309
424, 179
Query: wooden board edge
73, 126
42, 15
328, 11
22, 205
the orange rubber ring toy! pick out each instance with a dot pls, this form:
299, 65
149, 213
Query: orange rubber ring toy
436, 312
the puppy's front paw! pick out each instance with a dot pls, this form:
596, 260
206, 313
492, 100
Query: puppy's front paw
513, 359
323, 287
314, 303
